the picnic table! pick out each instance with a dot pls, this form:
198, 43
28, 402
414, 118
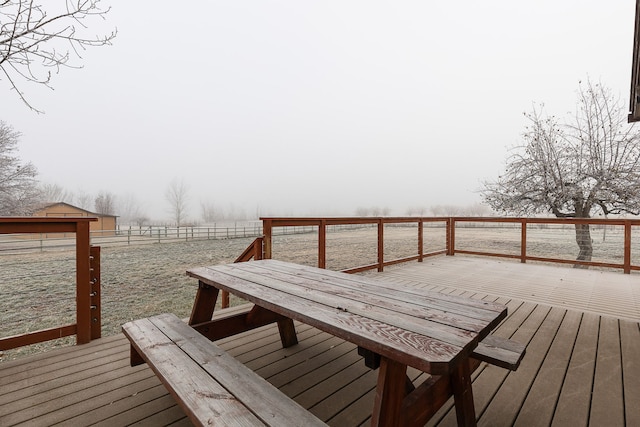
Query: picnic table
394, 327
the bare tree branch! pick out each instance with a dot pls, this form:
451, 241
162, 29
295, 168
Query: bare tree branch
35, 38
573, 169
19, 192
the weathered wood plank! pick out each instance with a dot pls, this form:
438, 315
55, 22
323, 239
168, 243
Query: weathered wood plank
376, 336
98, 402
183, 378
539, 406
575, 398
630, 346
428, 299
500, 352
186, 382
607, 406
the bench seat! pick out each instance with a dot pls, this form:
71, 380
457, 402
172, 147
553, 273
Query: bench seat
211, 386
499, 351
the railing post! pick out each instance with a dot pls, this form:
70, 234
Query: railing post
380, 245
267, 227
420, 240
627, 247
83, 284
96, 306
322, 244
523, 240
451, 236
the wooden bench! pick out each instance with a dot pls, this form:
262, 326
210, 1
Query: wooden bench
501, 352
211, 386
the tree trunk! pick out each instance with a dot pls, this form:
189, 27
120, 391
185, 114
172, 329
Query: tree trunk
583, 238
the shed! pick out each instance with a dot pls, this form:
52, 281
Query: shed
105, 226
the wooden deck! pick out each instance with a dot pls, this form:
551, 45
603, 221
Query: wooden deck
582, 365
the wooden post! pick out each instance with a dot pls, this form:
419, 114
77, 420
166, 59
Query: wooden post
627, 246
322, 244
523, 240
451, 236
96, 306
380, 244
267, 229
420, 240
83, 283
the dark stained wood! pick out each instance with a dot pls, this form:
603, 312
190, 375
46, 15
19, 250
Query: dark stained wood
500, 352
399, 331
460, 380
390, 393
93, 383
206, 298
231, 394
381, 330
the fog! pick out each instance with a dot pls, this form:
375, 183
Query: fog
314, 108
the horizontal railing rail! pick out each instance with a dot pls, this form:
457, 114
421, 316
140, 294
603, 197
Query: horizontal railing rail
87, 266
131, 236
525, 224
453, 246
270, 225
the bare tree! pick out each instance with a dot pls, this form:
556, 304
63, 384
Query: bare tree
18, 186
105, 203
130, 211
52, 193
83, 200
177, 194
37, 38
209, 212
588, 164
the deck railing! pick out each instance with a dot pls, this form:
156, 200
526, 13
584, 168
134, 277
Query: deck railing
322, 224
452, 224
526, 224
88, 318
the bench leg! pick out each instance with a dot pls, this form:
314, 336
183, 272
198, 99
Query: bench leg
134, 357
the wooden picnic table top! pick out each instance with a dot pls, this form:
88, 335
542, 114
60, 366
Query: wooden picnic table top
428, 330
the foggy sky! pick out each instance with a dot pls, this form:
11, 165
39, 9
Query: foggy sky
309, 108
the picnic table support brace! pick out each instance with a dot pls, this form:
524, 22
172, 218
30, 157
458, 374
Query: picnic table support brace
223, 327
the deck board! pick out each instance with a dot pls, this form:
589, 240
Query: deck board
572, 350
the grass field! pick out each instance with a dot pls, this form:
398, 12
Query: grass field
38, 290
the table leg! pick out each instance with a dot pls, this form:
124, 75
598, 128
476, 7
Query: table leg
460, 379
204, 304
390, 393
287, 330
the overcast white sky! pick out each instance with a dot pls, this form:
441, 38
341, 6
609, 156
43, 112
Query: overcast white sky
315, 107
